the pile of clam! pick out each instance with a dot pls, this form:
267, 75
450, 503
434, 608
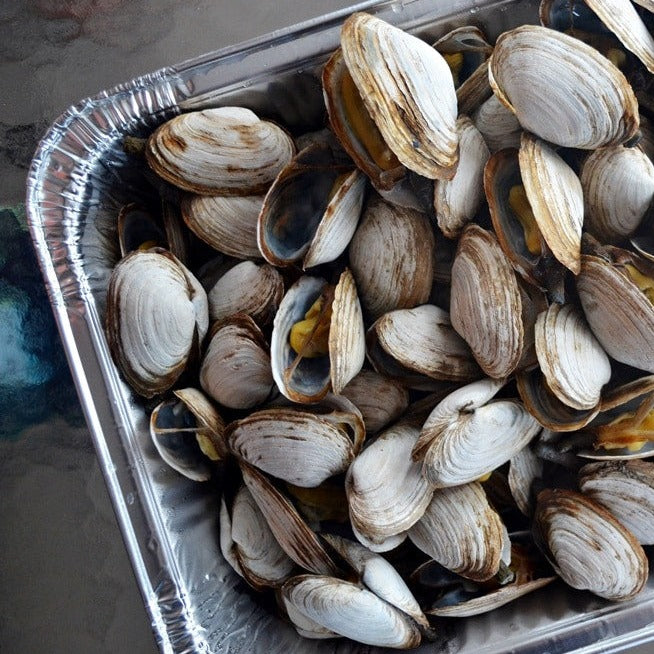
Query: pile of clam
416, 326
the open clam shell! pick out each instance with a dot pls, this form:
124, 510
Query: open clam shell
465, 49
485, 302
392, 257
618, 185
354, 127
351, 611
248, 287
474, 91
312, 209
227, 223
157, 314
300, 447
223, 151
385, 489
588, 547
461, 531
422, 341
458, 200
419, 126
138, 229
575, 366
530, 58
524, 469
626, 489
469, 434
235, 369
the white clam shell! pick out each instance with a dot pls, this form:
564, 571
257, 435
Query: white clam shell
555, 195
418, 126
574, 364
572, 113
618, 185
626, 489
351, 611
457, 201
497, 124
462, 532
235, 369
468, 435
223, 151
588, 547
254, 289
156, 312
385, 489
392, 257
228, 224
524, 469
485, 303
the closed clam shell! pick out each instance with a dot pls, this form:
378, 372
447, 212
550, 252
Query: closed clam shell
621, 18
618, 185
392, 257
588, 547
156, 314
248, 287
626, 489
235, 369
555, 195
261, 560
420, 126
589, 103
461, 531
497, 124
423, 341
379, 576
380, 399
469, 434
619, 313
351, 611
299, 447
457, 201
485, 303
223, 151
573, 362
227, 223
385, 489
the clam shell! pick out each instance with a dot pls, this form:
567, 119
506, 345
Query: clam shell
250, 288
392, 257
297, 446
618, 185
458, 200
588, 547
620, 315
467, 435
379, 576
291, 532
497, 124
422, 341
474, 91
351, 611
261, 560
156, 314
228, 224
529, 58
235, 370
574, 364
485, 303
136, 226
224, 151
524, 469
626, 489
418, 126
621, 18
555, 195
462, 532
385, 489
380, 400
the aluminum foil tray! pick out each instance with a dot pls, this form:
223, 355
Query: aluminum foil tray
79, 179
